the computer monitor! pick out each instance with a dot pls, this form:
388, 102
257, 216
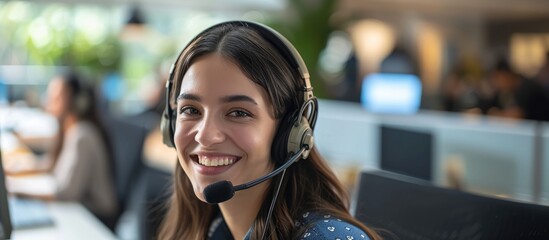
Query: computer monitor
5, 232
20, 213
391, 93
406, 151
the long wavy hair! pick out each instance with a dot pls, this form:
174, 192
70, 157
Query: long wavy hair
308, 185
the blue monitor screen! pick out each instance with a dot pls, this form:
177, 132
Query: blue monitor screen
391, 93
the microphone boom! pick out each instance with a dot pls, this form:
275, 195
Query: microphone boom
223, 190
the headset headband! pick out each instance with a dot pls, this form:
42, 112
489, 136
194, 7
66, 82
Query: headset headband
281, 44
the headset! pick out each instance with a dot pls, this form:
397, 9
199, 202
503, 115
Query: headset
81, 95
290, 139
82, 102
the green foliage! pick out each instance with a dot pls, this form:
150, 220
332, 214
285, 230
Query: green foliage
308, 30
101, 58
38, 35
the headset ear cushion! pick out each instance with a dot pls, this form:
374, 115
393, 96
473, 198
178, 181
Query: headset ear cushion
290, 137
279, 149
167, 128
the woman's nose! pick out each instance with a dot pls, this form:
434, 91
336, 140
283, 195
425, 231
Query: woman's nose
209, 132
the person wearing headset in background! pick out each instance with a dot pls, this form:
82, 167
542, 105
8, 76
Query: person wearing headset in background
240, 109
80, 167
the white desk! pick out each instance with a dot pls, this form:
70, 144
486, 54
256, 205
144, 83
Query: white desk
71, 221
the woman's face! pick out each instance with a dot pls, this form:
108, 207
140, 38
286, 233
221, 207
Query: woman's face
225, 125
57, 98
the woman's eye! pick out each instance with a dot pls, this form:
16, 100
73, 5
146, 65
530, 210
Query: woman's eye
190, 111
239, 114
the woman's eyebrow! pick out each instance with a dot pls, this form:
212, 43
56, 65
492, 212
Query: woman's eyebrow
238, 98
226, 99
188, 96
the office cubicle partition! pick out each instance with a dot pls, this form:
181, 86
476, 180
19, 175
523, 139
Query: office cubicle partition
488, 155
544, 185
497, 156
346, 135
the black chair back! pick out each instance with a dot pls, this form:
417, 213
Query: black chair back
403, 207
126, 139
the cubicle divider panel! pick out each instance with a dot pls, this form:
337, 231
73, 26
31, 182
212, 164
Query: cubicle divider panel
346, 135
545, 165
491, 157
485, 155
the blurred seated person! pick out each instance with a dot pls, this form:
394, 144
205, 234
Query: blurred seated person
517, 97
80, 167
464, 89
543, 74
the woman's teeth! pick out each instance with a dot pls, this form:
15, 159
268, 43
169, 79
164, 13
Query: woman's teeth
217, 161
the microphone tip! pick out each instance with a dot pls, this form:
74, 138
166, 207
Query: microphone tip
219, 192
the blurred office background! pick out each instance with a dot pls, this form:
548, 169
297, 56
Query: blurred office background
126, 46
429, 121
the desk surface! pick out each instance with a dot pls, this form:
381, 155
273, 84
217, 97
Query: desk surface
71, 221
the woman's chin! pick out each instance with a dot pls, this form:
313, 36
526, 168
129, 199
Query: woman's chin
199, 193
201, 198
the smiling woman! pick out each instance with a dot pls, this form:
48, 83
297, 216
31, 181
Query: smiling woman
241, 110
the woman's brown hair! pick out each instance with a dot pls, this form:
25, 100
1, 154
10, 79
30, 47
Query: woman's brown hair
308, 185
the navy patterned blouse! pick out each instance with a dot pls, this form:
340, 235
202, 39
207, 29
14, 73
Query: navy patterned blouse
319, 226
328, 227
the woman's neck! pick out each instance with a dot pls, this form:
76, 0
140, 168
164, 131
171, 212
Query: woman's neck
241, 211
69, 121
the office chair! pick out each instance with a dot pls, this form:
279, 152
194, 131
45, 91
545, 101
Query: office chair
152, 200
403, 207
126, 139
